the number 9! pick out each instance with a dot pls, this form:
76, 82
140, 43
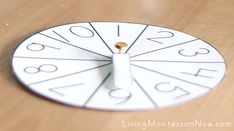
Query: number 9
120, 93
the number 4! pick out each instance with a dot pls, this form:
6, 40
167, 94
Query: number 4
199, 73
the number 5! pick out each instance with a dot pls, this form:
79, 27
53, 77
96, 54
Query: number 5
166, 88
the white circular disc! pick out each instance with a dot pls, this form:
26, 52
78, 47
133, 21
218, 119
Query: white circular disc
72, 64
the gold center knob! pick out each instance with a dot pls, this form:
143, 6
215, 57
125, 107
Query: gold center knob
122, 46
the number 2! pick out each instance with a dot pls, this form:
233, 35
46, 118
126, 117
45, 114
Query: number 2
168, 34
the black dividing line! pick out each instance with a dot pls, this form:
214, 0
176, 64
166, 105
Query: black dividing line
68, 74
136, 38
59, 58
118, 33
101, 38
165, 47
74, 45
152, 101
177, 61
55, 92
171, 76
99, 86
61, 36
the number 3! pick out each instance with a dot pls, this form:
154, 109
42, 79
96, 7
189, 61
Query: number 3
186, 54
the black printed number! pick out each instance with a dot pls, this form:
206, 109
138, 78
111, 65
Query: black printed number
39, 47
47, 68
166, 34
81, 31
200, 51
166, 87
122, 94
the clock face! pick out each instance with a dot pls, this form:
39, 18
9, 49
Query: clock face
73, 64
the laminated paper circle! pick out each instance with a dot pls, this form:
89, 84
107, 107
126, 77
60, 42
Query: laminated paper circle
72, 64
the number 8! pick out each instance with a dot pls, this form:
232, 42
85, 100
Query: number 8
48, 68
